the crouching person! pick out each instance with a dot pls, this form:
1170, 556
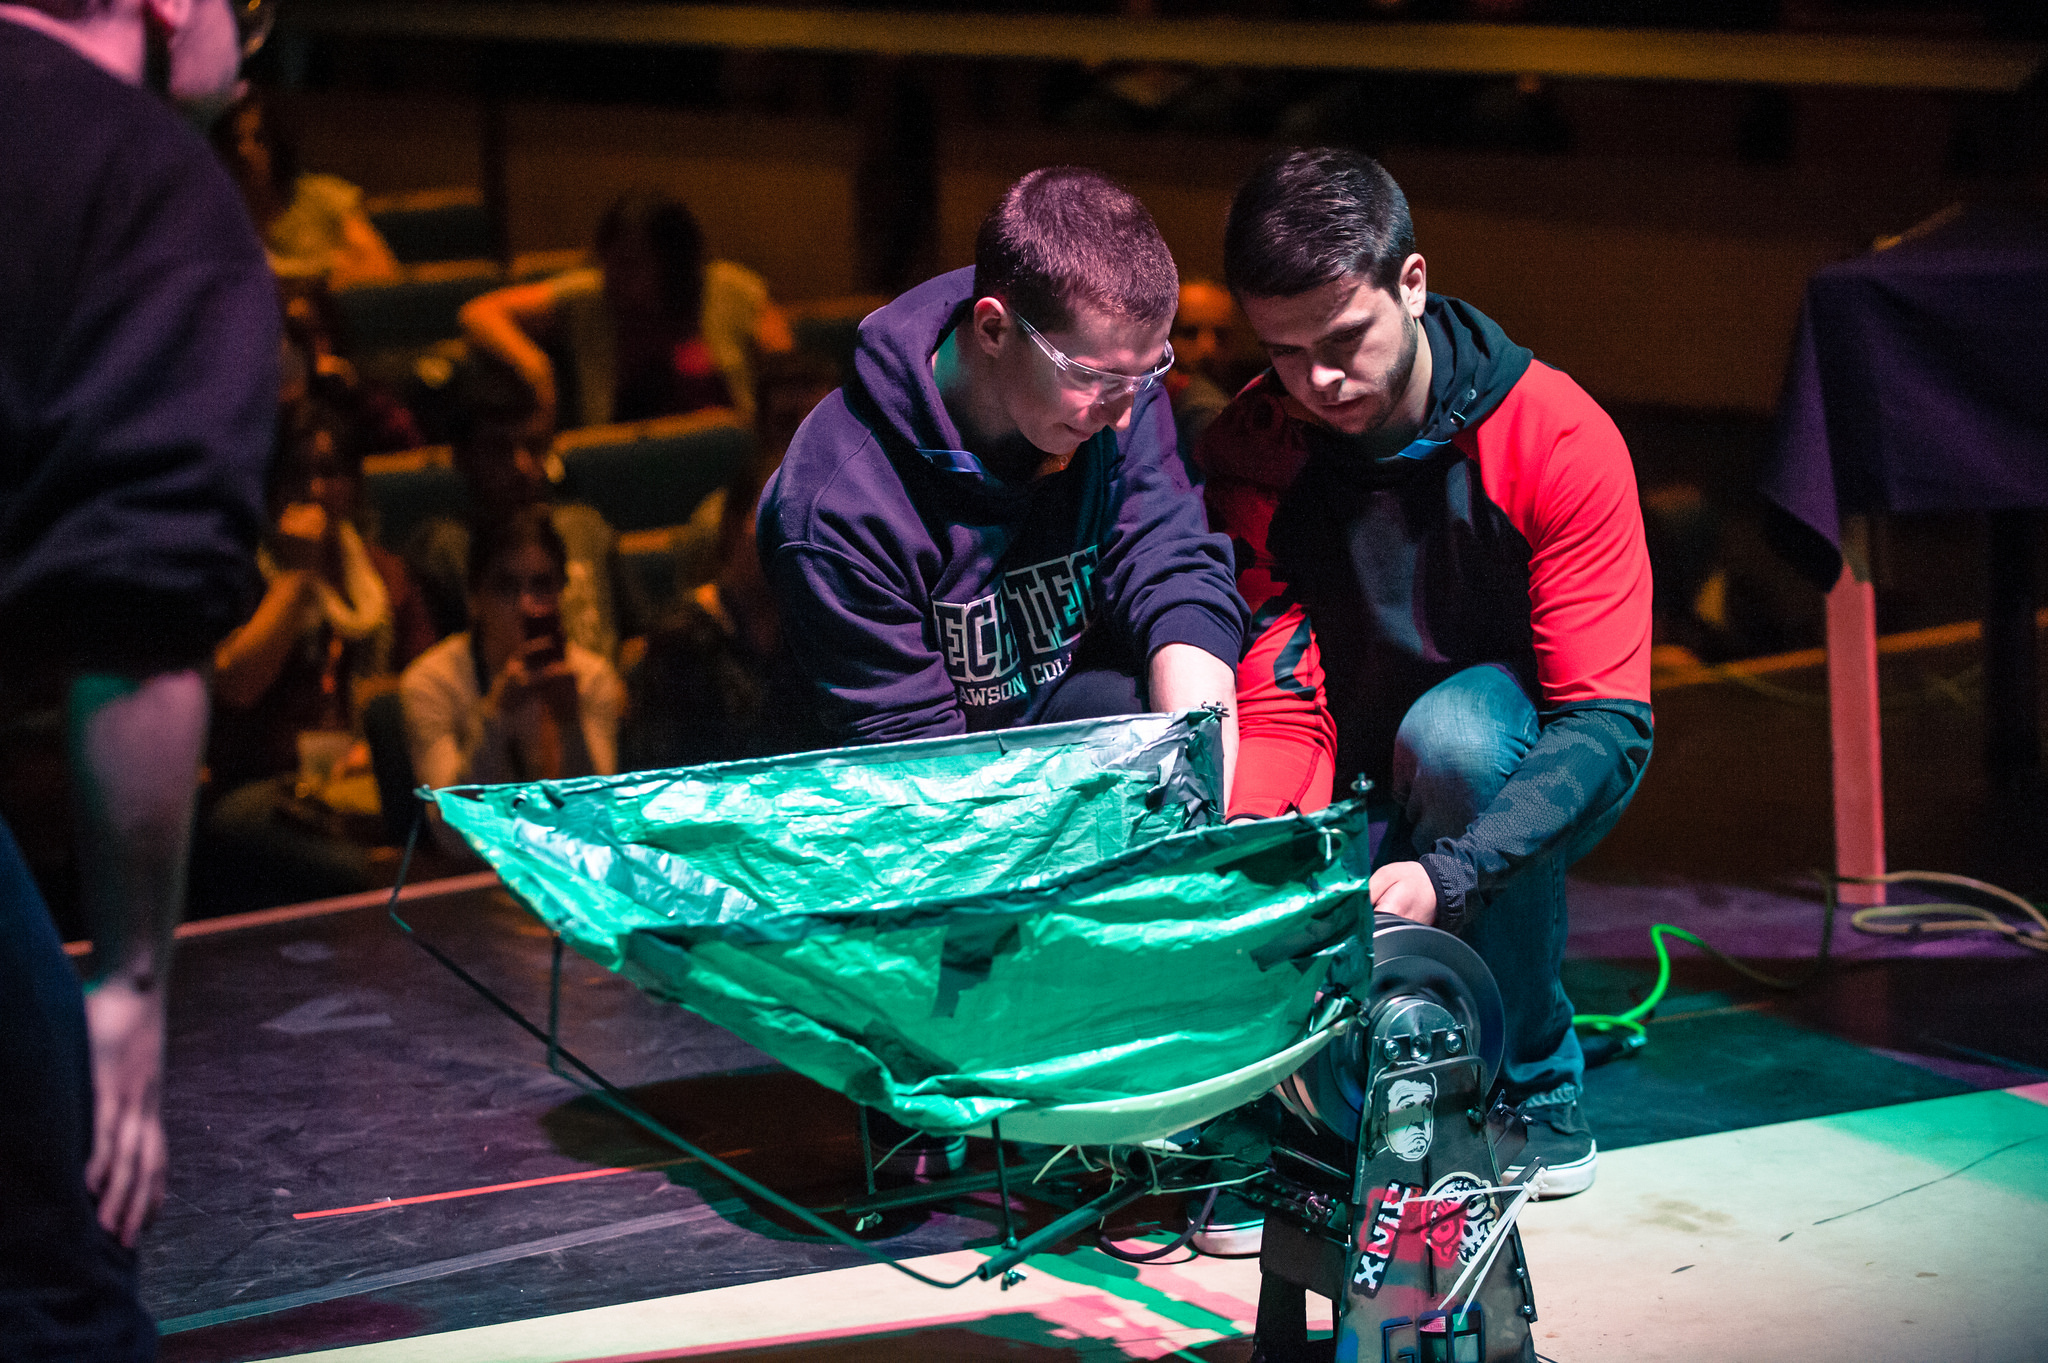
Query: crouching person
1441, 538
991, 525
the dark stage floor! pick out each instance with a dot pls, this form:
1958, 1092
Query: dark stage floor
329, 1063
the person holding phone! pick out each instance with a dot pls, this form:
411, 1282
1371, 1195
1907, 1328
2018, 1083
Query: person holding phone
512, 699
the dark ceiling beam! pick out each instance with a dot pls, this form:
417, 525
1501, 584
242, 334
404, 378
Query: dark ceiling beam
1792, 59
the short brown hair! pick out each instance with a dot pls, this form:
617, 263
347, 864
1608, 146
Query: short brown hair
1066, 235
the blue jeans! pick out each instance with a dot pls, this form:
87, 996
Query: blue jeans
1455, 749
67, 1288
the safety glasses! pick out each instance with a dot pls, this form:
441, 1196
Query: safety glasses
1103, 385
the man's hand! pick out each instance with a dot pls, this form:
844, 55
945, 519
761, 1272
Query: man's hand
1404, 888
135, 746
125, 1024
1183, 677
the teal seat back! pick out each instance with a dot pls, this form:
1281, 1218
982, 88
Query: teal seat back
442, 231
408, 314
651, 481
406, 499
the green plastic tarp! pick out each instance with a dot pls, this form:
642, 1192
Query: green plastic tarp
949, 929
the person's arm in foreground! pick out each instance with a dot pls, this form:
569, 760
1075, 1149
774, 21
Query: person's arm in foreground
1184, 677
135, 752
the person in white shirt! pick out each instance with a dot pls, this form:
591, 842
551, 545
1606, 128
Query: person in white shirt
512, 699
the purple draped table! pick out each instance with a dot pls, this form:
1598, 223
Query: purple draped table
1919, 382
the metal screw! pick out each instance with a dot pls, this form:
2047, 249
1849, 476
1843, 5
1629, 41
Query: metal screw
1013, 1277
1453, 1043
1528, 1312
1391, 1049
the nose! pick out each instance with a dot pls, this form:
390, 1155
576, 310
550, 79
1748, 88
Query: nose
1324, 377
1113, 409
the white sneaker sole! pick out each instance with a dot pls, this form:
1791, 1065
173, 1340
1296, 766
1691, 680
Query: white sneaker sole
1230, 1240
1564, 1180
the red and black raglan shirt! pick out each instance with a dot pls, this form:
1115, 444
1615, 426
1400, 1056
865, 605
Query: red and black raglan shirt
1509, 533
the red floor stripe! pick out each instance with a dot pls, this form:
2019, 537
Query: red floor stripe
491, 1188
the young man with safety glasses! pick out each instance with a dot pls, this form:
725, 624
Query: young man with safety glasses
991, 526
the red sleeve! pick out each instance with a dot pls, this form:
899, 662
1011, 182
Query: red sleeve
1556, 465
1286, 740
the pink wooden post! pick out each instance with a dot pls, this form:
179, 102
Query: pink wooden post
1853, 722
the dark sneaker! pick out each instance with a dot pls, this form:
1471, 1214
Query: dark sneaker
925, 1158
906, 1155
1559, 1136
1233, 1227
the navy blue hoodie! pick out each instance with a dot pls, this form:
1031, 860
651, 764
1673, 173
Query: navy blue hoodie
922, 595
138, 374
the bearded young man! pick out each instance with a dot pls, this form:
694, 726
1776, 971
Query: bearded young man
1440, 539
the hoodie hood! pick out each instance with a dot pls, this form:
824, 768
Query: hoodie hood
1474, 365
893, 390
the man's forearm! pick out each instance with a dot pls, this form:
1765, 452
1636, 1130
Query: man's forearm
135, 753
1587, 759
1184, 677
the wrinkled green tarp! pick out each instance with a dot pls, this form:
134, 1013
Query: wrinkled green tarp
950, 928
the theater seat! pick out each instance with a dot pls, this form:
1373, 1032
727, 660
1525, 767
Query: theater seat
414, 312
651, 474
433, 224
406, 490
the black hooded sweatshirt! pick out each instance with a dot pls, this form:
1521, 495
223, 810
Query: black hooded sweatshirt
1507, 534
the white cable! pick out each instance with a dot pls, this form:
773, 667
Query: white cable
1481, 1262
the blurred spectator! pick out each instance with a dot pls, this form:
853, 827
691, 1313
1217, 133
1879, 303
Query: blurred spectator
1206, 342
707, 690
513, 699
337, 616
501, 450
651, 330
312, 224
314, 368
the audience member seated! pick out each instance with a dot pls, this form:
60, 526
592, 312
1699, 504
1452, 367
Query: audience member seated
311, 224
314, 368
337, 618
500, 448
707, 690
651, 330
514, 698
1208, 359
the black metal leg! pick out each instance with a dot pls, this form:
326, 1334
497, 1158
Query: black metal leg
555, 1008
1281, 1334
1003, 1187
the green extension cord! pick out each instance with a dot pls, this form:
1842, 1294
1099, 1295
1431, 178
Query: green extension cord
1888, 920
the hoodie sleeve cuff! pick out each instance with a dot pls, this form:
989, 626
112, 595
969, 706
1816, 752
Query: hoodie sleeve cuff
1193, 623
1454, 884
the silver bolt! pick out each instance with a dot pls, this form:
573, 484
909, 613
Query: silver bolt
1391, 1049
1453, 1043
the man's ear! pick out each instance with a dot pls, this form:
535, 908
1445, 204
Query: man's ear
171, 15
987, 324
1414, 285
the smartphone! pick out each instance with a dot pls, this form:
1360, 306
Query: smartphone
544, 627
